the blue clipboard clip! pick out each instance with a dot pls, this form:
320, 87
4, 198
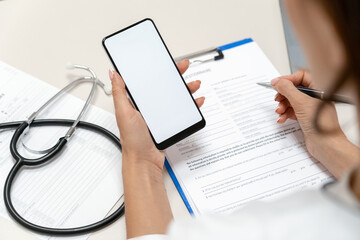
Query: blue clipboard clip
212, 54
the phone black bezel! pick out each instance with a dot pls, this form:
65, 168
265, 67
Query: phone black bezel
184, 133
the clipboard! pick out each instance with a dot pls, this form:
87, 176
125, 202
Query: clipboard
216, 54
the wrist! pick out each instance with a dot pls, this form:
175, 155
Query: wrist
150, 164
335, 152
147, 206
319, 144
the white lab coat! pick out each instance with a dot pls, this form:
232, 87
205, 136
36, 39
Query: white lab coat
330, 213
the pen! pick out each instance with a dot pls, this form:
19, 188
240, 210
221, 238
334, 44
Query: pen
313, 93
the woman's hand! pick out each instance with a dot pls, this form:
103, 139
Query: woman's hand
134, 134
333, 149
296, 105
147, 207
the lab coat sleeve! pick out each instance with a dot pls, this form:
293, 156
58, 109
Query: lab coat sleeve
151, 237
217, 227
303, 215
332, 213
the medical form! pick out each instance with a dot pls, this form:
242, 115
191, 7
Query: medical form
242, 154
83, 183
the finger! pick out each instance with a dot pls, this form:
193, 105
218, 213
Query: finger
282, 107
194, 86
282, 119
183, 66
299, 78
289, 113
132, 105
200, 101
288, 90
119, 92
279, 97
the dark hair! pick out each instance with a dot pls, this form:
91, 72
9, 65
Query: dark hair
345, 15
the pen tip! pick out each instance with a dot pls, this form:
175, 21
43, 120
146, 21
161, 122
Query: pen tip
264, 84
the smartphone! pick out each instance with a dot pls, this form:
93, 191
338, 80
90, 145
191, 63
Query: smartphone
154, 83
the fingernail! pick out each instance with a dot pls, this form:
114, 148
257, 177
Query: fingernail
276, 110
274, 81
198, 81
111, 74
278, 120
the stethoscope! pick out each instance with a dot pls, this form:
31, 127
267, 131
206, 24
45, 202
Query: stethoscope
23, 126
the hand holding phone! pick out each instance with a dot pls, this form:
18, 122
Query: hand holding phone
134, 134
154, 83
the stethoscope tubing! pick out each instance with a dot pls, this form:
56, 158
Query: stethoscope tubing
21, 162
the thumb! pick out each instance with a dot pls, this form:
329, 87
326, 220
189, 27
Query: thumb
121, 101
287, 89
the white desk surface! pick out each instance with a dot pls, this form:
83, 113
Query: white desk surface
40, 36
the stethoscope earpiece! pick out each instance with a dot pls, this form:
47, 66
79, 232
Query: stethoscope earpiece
70, 65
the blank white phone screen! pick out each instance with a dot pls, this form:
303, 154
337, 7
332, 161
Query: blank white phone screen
153, 80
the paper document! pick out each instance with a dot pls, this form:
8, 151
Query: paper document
242, 154
82, 184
